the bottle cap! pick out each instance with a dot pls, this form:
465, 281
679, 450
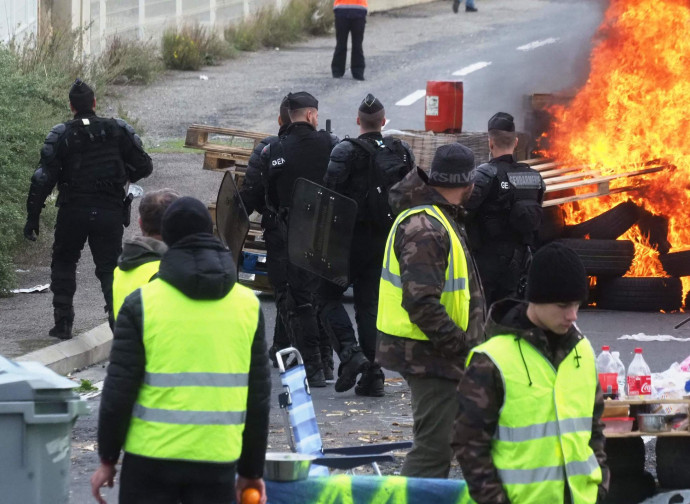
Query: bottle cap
638, 350
606, 348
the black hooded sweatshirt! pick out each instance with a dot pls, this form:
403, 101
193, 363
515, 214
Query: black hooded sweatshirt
201, 268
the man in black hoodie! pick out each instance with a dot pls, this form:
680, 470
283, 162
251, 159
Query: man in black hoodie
188, 385
138, 263
529, 420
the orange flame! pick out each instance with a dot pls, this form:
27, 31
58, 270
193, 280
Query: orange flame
635, 107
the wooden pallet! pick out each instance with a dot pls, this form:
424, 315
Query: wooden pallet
198, 136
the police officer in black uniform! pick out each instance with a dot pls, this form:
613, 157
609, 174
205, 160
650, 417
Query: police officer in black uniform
505, 213
253, 194
90, 159
363, 169
303, 152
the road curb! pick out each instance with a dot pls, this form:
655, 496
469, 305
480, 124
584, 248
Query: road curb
79, 352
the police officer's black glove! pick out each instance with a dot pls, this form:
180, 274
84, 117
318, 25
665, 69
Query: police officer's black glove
31, 228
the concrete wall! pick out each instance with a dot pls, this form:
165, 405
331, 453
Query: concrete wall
18, 19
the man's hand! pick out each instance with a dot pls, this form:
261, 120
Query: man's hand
243, 483
103, 476
31, 228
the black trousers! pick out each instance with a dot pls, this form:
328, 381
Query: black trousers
346, 23
75, 225
365, 275
150, 481
500, 270
295, 297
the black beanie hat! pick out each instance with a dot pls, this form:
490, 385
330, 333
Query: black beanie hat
557, 275
502, 121
81, 96
186, 216
452, 166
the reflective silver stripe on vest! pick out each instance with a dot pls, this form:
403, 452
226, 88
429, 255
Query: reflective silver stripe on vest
554, 473
542, 430
189, 417
197, 379
451, 285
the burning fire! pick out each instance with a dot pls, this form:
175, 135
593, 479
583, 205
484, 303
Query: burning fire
634, 108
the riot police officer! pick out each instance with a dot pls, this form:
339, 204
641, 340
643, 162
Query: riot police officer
505, 213
90, 159
303, 152
363, 169
253, 194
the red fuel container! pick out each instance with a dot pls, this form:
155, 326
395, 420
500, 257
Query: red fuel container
443, 110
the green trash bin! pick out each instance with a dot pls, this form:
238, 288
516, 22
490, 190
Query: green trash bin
38, 408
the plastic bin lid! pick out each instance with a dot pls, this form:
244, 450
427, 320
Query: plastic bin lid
26, 381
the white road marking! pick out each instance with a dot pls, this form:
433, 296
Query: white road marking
472, 68
386, 124
411, 98
538, 43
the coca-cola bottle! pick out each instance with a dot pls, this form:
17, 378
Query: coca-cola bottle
639, 378
608, 373
620, 369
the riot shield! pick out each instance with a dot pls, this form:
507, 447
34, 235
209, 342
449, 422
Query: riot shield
320, 229
232, 221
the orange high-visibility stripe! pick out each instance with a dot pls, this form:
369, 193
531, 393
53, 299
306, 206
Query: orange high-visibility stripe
362, 4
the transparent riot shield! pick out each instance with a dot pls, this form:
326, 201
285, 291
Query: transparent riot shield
320, 229
232, 221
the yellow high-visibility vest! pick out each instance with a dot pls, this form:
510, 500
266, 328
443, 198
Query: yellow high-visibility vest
392, 318
126, 282
192, 404
543, 433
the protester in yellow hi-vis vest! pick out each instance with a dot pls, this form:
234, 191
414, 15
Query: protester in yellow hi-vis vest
529, 422
188, 385
138, 263
431, 307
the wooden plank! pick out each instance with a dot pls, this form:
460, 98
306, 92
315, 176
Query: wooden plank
560, 171
200, 134
535, 161
639, 434
572, 176
215, 163
601, 180
580, 197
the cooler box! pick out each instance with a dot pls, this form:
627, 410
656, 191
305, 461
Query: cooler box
443, 110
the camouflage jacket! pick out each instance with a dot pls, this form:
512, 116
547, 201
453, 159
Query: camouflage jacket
481, 393
422, 246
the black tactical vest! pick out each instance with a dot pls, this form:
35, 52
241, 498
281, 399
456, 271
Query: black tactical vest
93, 164
512, 213
302, 153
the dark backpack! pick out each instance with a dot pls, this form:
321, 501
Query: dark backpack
388, 165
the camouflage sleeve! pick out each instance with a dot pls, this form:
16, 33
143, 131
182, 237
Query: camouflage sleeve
598, 442
483, 183
252, 191
422, 245
480, 397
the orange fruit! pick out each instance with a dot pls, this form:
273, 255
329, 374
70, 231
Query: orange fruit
251, 496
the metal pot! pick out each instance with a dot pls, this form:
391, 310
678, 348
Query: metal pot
287, 466
654, 422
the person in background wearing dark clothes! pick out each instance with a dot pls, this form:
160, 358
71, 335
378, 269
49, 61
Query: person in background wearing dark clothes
253, 194
469, 6
187, 394
350, 18
302, 152
90, 159
141, 256
504, 213
529, 421
350, 173
431, 310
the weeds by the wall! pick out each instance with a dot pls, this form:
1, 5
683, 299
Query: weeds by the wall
192, 47
271, 28
131, 61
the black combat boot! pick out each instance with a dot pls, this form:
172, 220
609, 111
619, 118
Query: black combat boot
315, 375
371, 383
328, 364
348, 371
64, 317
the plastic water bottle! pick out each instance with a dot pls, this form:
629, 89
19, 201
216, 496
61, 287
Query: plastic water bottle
639, 378
608, 373
620, 370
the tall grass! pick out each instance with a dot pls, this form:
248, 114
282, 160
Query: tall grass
271, 28
192, 47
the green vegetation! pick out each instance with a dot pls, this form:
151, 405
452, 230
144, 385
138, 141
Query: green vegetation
192, 47
272, 28
131, 61
85, 386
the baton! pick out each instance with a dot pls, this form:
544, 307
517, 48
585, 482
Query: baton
328, 125
683, 323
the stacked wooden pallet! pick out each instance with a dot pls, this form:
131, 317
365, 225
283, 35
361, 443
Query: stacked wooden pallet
562, 180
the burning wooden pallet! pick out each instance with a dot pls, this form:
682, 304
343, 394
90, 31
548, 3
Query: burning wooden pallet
562, 178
